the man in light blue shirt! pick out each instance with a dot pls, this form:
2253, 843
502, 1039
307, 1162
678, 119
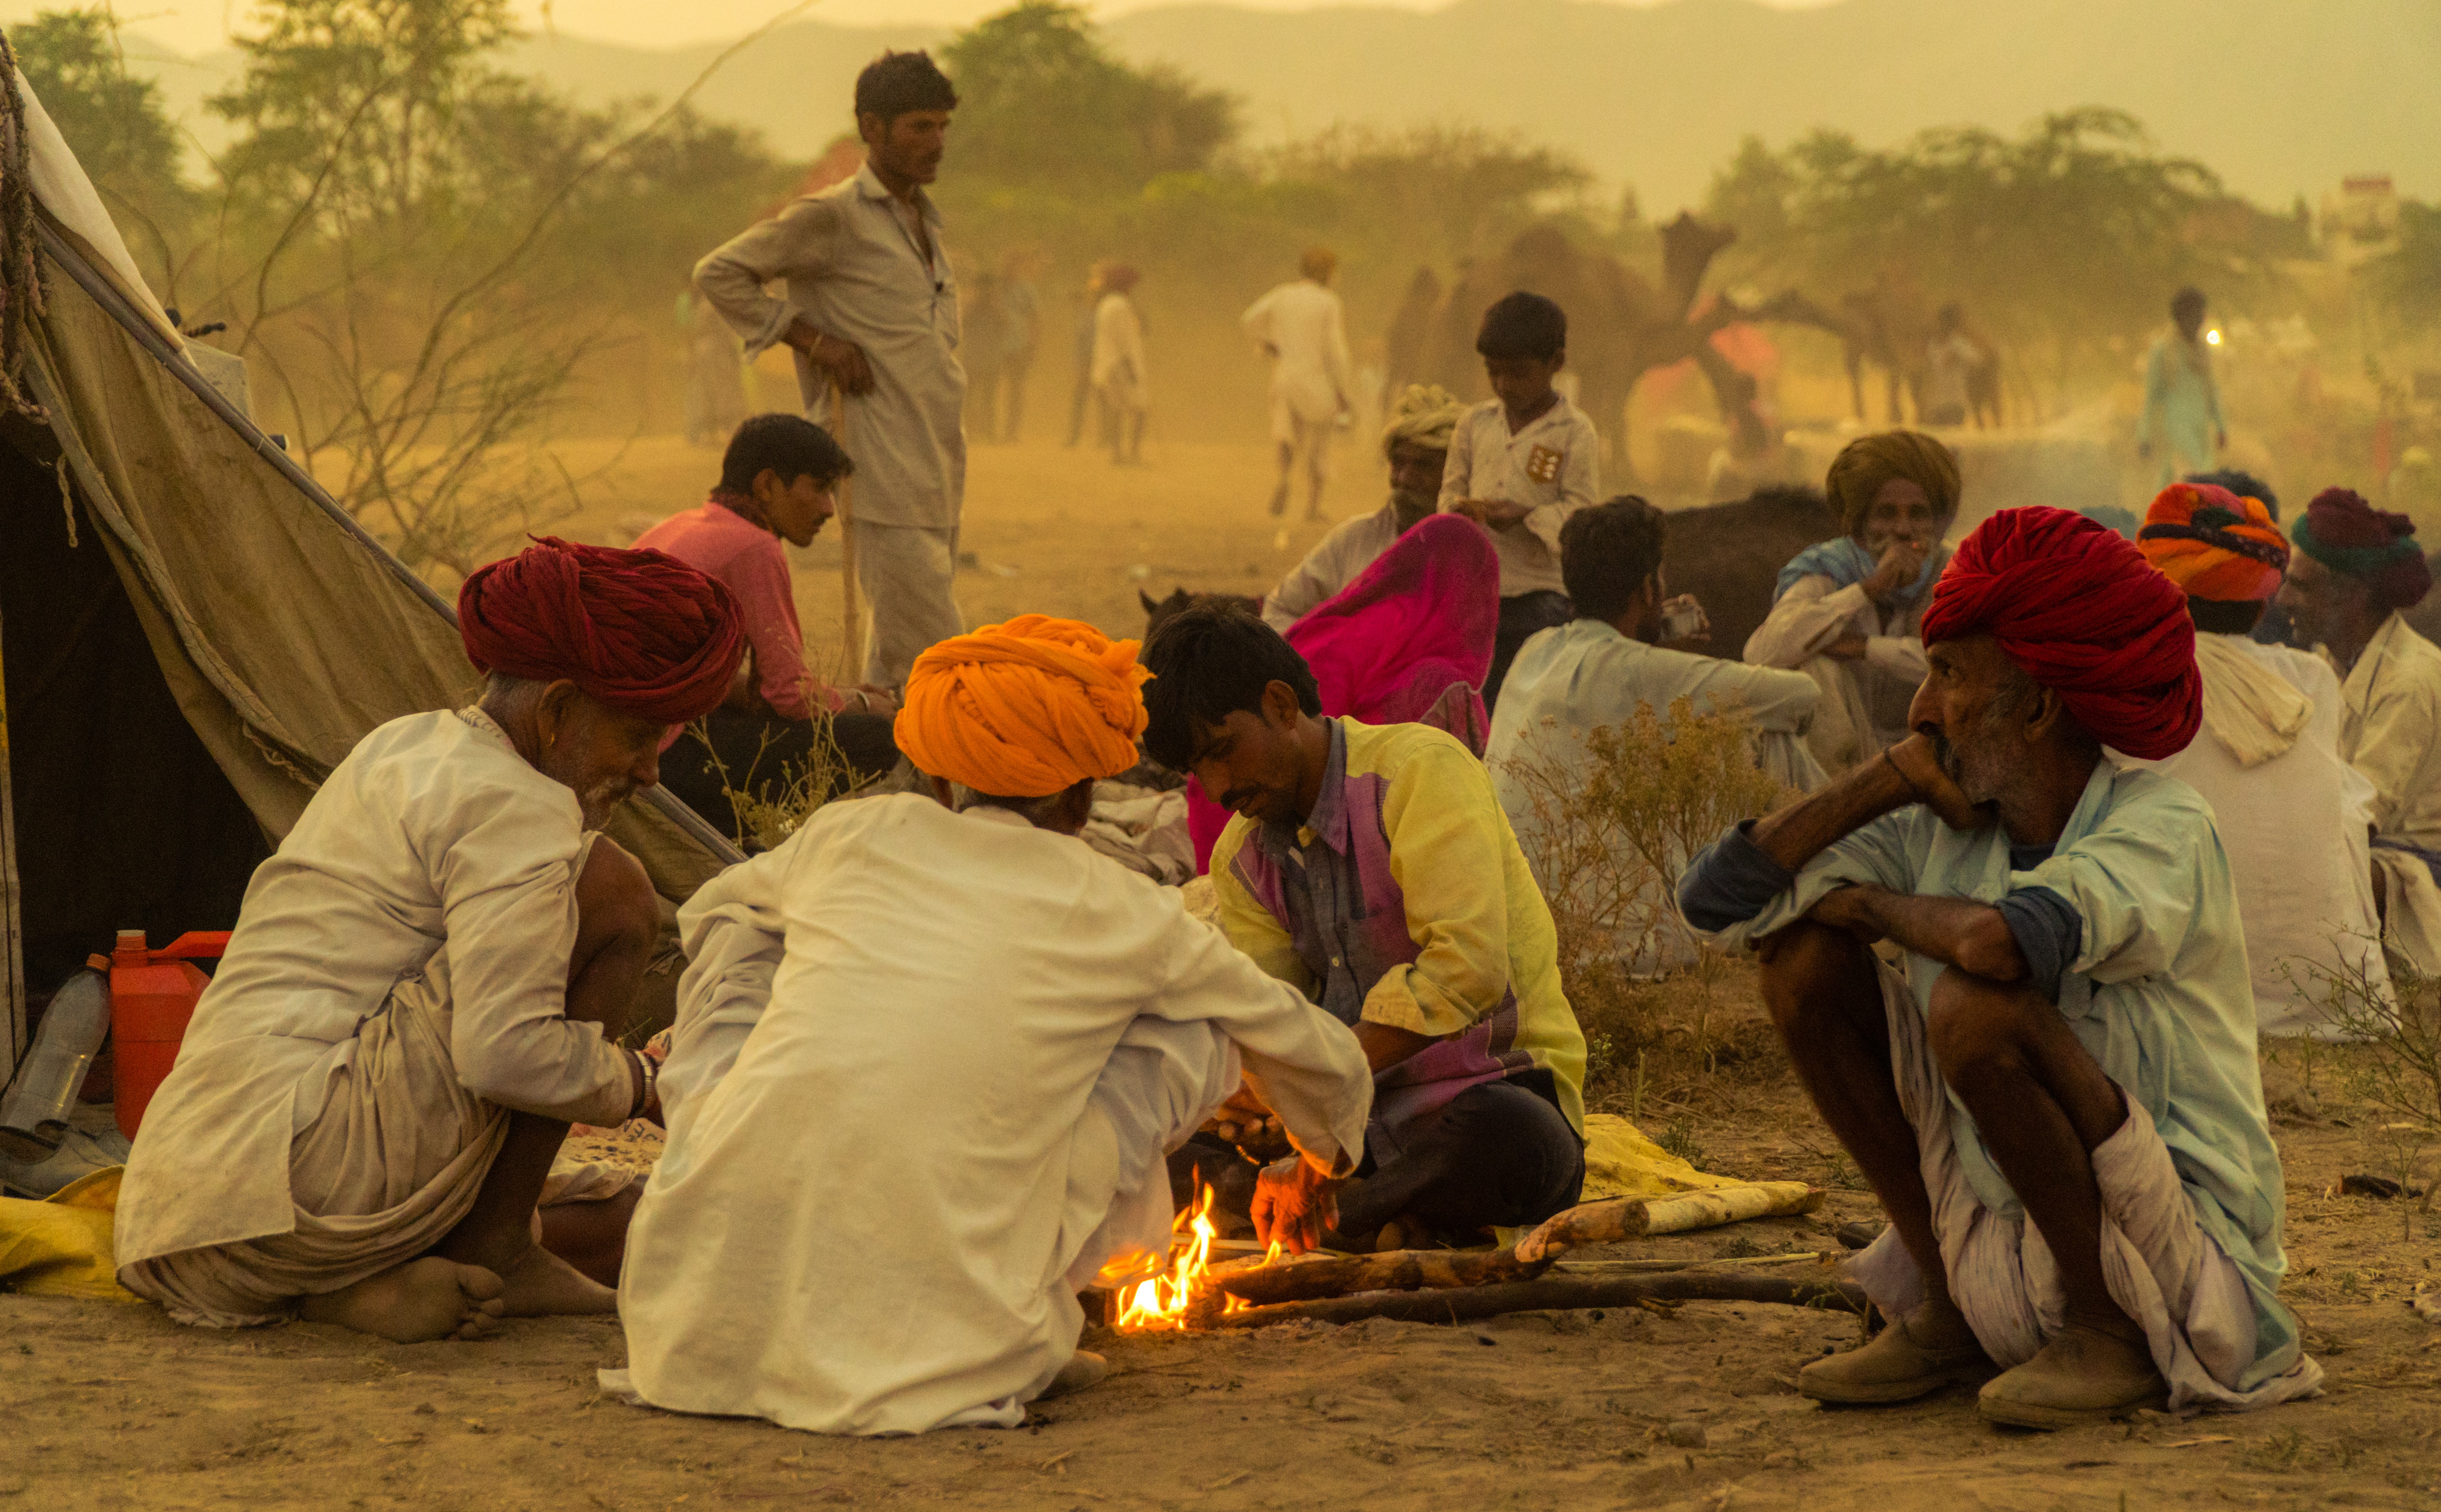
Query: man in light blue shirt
2057, 1098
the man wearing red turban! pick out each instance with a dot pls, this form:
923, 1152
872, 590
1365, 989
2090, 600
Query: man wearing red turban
428, 983
2070, 1043
2358, 568
929, 1056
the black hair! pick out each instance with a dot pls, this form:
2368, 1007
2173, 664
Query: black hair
896, 84
2242, 483
2189, 298
1522, 325
1209, 660
1608, 552
2225, 617
789, 445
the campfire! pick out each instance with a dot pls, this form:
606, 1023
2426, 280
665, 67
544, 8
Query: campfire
1168, 1301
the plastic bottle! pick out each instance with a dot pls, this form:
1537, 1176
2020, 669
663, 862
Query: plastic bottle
34, 1110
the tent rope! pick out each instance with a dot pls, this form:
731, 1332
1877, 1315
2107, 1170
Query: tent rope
67, 499
272, 758
20, 270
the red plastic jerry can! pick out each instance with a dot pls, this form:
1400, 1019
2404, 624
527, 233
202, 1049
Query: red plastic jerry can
153, 994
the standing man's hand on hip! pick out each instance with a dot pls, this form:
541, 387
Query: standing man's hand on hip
842, 362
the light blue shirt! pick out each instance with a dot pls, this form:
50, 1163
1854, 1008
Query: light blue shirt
2158, 993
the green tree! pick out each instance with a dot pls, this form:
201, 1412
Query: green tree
2067, 238
1042, 102
112, 121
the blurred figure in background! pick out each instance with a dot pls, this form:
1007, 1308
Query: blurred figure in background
1301, 327
1949, 361
1081, 396
1849, 612
980, 320
1119, 387
715, 396
2182, 422
1020, 335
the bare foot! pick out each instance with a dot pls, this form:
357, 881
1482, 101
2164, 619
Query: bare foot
422, 1300
541, 1285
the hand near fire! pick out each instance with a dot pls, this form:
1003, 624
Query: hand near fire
1246, 1123
1295, 1205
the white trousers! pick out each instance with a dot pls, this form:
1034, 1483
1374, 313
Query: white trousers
2169, 1275
904, 573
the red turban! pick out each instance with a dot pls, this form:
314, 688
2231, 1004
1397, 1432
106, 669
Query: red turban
2214, 545
640, 631
2078, 609
2350, 536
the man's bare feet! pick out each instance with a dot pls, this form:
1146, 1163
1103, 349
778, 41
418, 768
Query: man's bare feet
540, 1285
422, 1300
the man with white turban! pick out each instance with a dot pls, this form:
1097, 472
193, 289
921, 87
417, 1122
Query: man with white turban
1417, 442
930, 1055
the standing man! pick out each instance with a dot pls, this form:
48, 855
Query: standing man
2181, 424
871, 310
1301, 327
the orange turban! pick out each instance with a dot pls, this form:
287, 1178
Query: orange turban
2214, 545
1024, 710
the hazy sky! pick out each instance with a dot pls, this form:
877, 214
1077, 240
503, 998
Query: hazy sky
199, 25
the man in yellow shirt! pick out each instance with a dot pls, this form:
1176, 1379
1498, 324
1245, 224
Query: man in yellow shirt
1371, 867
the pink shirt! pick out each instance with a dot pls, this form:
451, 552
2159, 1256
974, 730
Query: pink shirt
750, 562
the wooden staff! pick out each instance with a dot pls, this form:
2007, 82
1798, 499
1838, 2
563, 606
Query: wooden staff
1391, 1270
1558, 1294
851, 612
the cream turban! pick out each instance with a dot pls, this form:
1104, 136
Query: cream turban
1424, 415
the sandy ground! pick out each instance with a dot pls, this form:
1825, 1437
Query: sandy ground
1692, 1408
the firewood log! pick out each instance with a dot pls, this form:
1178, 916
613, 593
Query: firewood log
1556, 1294
1391, 1270
1618, 1219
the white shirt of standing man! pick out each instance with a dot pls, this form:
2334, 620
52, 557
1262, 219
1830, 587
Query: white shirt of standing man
871, 308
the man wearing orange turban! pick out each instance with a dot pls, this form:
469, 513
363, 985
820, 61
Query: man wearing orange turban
2056, 1097
938, 1046
2293, 814
368, 1106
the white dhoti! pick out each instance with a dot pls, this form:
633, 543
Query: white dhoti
2161, 1268
390, 1163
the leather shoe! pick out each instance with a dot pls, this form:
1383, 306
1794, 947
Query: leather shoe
1914, 1357
2082, 1376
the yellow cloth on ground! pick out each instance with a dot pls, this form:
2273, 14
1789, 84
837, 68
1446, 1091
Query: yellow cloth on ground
60, 1247
1621, 1162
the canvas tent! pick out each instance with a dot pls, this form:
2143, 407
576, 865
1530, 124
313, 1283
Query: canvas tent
192, 634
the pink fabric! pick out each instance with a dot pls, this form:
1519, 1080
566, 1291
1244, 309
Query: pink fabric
1408, 643
750, 562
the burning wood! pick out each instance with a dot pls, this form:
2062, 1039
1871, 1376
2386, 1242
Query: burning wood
1391, 1270
1559, 1294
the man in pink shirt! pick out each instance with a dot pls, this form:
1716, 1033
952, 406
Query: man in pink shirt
777, 482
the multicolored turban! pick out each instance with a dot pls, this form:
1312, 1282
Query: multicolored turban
2215, 545
2352, 538
1426, 414
1024, 710
1865, 463
637, 630
2078, 609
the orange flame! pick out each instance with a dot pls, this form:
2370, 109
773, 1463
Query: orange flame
1162, 1301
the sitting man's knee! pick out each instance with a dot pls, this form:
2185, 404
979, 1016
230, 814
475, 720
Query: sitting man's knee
615, 901
1800, 963
1974, 1027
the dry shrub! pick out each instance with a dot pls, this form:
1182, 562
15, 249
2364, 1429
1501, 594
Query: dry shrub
2393, 1068
1613, 825
770, 807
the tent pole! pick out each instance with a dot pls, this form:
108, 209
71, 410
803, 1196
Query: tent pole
148, 336
13, 1030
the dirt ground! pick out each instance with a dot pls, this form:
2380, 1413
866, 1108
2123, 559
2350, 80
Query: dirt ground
1690, 1408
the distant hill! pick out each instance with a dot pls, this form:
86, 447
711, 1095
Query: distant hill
2281, 97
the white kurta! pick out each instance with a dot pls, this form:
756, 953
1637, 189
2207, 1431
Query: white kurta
2390, 729
1552, 466
1306, 328
2294, 828
1119, 355
1335, 562
1864, 702
433, 845
924, 1068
